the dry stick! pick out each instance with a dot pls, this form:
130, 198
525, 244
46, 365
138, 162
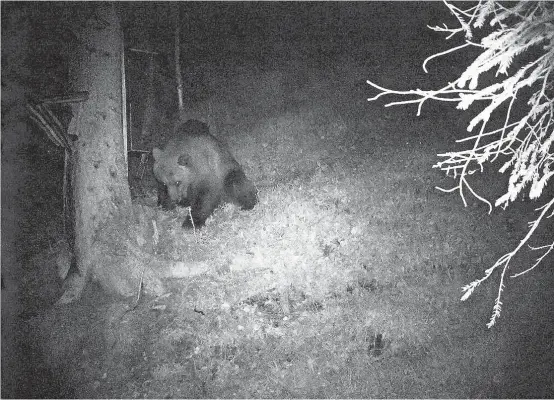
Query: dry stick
47, 121
124, 108
178, 76
148, 113
156, 234
56, 122
189, 210
70, 98
37, 116
65, 190
139, 289
130, 126
143, 51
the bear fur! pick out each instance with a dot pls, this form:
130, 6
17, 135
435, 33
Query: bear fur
195, 169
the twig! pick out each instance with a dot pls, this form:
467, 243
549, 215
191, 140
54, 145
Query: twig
68, 98
39, 118
139, 289
505, 261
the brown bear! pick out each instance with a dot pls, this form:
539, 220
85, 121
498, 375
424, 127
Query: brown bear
197, 170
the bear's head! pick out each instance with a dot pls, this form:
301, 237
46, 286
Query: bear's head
175, 172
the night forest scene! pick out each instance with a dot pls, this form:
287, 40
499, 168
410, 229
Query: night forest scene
277, 199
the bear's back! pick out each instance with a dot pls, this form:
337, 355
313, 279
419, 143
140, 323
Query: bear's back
205, 152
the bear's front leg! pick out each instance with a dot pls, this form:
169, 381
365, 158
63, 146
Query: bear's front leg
163, 198
203, 202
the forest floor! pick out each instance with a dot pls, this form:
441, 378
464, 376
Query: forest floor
345, 281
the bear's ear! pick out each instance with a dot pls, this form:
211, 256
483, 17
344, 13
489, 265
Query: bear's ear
157, 153
183, 160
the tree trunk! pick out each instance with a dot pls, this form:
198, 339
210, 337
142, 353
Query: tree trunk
112, 245
100, 186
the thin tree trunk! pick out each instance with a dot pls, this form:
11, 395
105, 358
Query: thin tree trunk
178, 74
149, 108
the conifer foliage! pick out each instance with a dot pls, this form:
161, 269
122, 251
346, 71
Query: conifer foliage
516, 61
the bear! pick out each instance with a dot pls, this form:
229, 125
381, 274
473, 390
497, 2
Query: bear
195, 169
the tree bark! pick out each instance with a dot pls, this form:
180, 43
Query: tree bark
100, 186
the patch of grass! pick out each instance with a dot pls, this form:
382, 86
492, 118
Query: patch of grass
335, 254
344, 281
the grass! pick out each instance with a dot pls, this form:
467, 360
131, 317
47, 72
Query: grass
343, 282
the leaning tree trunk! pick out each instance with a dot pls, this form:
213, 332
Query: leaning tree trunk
112, 245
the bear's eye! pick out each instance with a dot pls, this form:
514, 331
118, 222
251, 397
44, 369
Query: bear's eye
178, 183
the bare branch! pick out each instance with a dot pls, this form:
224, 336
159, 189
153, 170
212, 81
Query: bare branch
467, 44
527, 140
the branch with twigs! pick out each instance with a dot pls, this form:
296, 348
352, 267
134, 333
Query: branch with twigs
504, 262
526, 141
